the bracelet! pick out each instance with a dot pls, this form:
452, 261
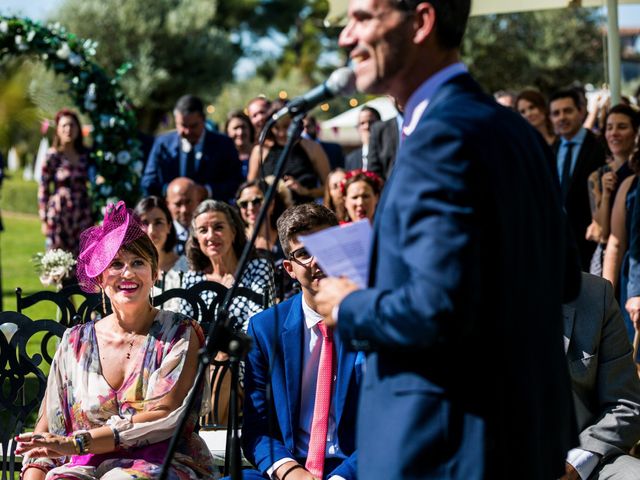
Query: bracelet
82, 441
116, 437
296, 466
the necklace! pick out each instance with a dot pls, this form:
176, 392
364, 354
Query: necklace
131, 344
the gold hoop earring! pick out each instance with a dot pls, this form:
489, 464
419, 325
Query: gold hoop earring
104, 303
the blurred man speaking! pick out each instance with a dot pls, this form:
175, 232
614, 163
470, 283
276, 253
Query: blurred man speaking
465, 375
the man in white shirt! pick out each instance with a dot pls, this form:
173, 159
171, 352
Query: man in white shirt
285, 368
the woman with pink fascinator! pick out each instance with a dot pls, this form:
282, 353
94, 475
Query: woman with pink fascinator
117, 385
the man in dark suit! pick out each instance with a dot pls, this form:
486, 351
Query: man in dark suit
359, 158
383, 146
192, 151
465, 376
578, 154
605, 385
288, 353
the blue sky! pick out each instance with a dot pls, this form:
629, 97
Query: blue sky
629, 15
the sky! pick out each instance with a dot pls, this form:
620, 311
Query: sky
629, 15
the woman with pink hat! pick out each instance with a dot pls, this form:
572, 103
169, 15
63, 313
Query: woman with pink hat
116, 387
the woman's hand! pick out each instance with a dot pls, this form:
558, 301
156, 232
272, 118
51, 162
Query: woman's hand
609, 182
45, 445
295, 186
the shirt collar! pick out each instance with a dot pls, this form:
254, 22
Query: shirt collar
311, 317
419, 100
577, 139
186, 146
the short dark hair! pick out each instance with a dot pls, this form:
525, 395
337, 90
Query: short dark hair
188, 104
451, 18
300, 219
372, 110
147, 204
624, 109
567, 93
198, 261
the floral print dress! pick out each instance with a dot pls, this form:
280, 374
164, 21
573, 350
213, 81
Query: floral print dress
78, 397
63, 201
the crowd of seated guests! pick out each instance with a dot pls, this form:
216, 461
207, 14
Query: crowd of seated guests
198, 227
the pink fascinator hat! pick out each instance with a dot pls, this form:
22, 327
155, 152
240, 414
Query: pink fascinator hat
99, 245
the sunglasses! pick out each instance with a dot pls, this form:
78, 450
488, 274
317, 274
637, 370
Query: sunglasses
256, 202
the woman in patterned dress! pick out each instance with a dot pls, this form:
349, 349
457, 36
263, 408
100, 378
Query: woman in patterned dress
215, 244
117, 386
63, 198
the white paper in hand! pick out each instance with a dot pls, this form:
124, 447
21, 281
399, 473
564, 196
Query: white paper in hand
342, 251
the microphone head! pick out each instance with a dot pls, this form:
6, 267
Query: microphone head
341, 82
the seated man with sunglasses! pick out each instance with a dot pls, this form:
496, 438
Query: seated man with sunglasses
313, 378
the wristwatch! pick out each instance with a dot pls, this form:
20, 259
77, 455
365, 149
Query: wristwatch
82, 441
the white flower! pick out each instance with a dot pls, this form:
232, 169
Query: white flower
90, 97
99, 179
124, 157
4, 27
64, 51
31, 35
75, 59
109, 157
20, 43
53, 265
137, 167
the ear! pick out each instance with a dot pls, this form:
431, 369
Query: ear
288, 266
425, 22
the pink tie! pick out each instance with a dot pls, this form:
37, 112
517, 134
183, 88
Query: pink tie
320, 423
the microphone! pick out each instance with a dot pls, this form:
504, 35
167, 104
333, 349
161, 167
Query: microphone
341, 82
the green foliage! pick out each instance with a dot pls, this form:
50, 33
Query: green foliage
174, 47
116, 151
547, 49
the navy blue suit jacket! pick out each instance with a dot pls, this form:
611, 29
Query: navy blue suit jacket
277, 339
219, 168
466, 376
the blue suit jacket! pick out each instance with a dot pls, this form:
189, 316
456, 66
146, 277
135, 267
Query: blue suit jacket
278, 335
466, 378
219, 167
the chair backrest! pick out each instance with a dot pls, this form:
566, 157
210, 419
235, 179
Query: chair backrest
69, 315
24, 344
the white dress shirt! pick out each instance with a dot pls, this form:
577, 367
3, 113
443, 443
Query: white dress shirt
310, 361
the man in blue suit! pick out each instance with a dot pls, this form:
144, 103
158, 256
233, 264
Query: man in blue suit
288, 337
192, 151
465, 375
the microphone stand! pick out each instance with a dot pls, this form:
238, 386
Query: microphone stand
223, 337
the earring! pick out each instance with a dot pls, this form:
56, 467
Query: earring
151, 295
104, 303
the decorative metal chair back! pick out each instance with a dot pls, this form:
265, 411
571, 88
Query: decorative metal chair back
23, 375
90, 306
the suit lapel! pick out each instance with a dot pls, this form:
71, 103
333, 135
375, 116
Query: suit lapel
291, 340
568, 318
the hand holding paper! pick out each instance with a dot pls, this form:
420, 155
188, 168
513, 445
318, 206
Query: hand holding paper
341, 251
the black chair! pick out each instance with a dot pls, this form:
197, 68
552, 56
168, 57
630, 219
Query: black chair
89, 308
22, 379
